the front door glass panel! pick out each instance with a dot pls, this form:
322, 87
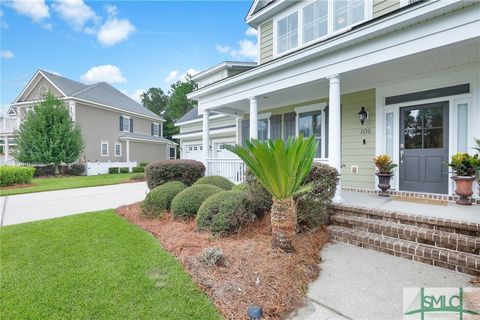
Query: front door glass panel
423, 128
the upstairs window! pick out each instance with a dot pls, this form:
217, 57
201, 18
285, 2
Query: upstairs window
155, 129
287, 33
315, 20
126, 124
347, 12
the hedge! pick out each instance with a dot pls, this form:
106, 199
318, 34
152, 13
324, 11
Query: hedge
259, 199
187, 202
124, 170
76, 169
138, 169
218, 181
15, 175
113, 170
160, 198
224, 213
143, 164
185, 171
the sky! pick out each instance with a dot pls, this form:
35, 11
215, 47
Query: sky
133, 45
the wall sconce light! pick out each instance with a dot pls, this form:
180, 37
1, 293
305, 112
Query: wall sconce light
363, 115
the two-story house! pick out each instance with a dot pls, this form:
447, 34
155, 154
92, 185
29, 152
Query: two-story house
117, 130
365, 77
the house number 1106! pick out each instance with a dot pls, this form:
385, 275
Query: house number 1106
366, 131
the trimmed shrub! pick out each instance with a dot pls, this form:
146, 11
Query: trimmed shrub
76, 169
224, 213
138, 169
138, 177
218, 181
242, 187
313, 206
187, 202
124, 170
160, 198
143, 164
113, 170
185, 171
10, 175
259, 199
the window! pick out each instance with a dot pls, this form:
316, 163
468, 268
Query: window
126, 124
118, 149
156, 129
172, 153
263, 129
389, 133
287, 33
315, 20
43, 90
462, 127
347, 12
312, 121
104, 149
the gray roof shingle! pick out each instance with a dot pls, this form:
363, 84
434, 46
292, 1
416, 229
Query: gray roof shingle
190, 115
139, 136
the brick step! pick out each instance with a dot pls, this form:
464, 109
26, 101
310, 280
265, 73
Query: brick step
448, 225
436, 238
440, 257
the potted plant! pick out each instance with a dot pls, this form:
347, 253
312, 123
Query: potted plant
477, 142
384, 173
465, 167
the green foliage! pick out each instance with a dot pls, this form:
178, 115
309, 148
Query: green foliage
464, 164
160, 198
242, 187
186, 171
178, 104
218, 181
224, 213
10, 176
113, 170
76, 169
138, 177
48, 135
187, 202
124, 170
384, 164
312, 206
155, 100
477, 142
280, 167
138, 169
259, 199
143, 164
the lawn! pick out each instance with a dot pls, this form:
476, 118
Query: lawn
49, 184
93, 266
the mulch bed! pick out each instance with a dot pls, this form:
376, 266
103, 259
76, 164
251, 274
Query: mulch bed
16, 186
253, 273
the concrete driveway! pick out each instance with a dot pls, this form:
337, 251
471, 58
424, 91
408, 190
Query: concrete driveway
52, 204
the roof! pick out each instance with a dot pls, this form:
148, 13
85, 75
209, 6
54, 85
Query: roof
190, 115
145, 137
101, 92
242, 65
258, 5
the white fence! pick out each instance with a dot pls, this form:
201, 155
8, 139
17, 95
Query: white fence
96, 168
232, 169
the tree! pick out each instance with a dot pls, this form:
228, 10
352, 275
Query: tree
179, 104
48, 135
155, 100
281, 168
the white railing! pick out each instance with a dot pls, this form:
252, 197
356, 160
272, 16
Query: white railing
96, 168
8, 125
232, 169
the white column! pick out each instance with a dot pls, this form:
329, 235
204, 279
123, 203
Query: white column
72, 110
206, 136
238, 126
334, 132
253, 118
128, 150
6, 148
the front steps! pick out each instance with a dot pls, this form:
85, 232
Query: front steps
444, 243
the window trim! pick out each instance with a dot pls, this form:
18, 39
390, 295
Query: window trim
158, 126
101, 148
308, 109
264, 116
123, 123
115, 149
168, 154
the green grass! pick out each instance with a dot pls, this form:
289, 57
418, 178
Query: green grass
93, 266
50, 184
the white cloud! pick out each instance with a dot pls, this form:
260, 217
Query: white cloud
112, 10
175, 75
247, 49
135, 95
6, 54
37, 10
172, 76
251, 32
75, 12
108, 73
114, 30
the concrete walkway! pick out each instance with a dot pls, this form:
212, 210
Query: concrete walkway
363, 284
52, 204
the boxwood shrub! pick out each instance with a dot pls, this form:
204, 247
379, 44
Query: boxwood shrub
113, 170
224, 213
160, 198
124, 170
143, 164
10, 175
243, 187
187, 202
76, 169
218, 181
313, 206
259, 199
185, 171
138, 169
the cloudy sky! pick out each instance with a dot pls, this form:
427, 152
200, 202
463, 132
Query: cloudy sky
133, 45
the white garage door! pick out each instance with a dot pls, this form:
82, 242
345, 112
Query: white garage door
193, 152
223, 153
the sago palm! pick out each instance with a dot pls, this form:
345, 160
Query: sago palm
281, 168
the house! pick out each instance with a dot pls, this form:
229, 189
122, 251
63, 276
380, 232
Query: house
117, 130
365, 78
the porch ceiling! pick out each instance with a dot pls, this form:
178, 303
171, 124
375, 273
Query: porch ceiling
460, 55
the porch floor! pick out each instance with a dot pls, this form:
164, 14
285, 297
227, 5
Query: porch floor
450, 211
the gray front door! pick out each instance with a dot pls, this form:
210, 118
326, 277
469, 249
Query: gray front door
424, 148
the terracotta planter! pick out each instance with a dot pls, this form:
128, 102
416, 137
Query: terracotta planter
384, 183
464, 189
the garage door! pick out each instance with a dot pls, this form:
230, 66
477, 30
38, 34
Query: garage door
223, 153
193, 152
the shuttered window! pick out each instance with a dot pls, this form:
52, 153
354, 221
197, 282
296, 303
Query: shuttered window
276, 127
288, 125
245, 131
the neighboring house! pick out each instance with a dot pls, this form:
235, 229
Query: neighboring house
115, 128
410, 69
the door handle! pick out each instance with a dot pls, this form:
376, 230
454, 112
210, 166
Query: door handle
401, 156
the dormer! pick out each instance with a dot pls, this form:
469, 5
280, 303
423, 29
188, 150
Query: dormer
285, 26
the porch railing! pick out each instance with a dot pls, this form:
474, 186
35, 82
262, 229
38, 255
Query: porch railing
233, 169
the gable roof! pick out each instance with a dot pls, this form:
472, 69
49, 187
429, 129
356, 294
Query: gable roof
100, 93
190, 115
258, 5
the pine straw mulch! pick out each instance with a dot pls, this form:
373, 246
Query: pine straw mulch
253, 274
